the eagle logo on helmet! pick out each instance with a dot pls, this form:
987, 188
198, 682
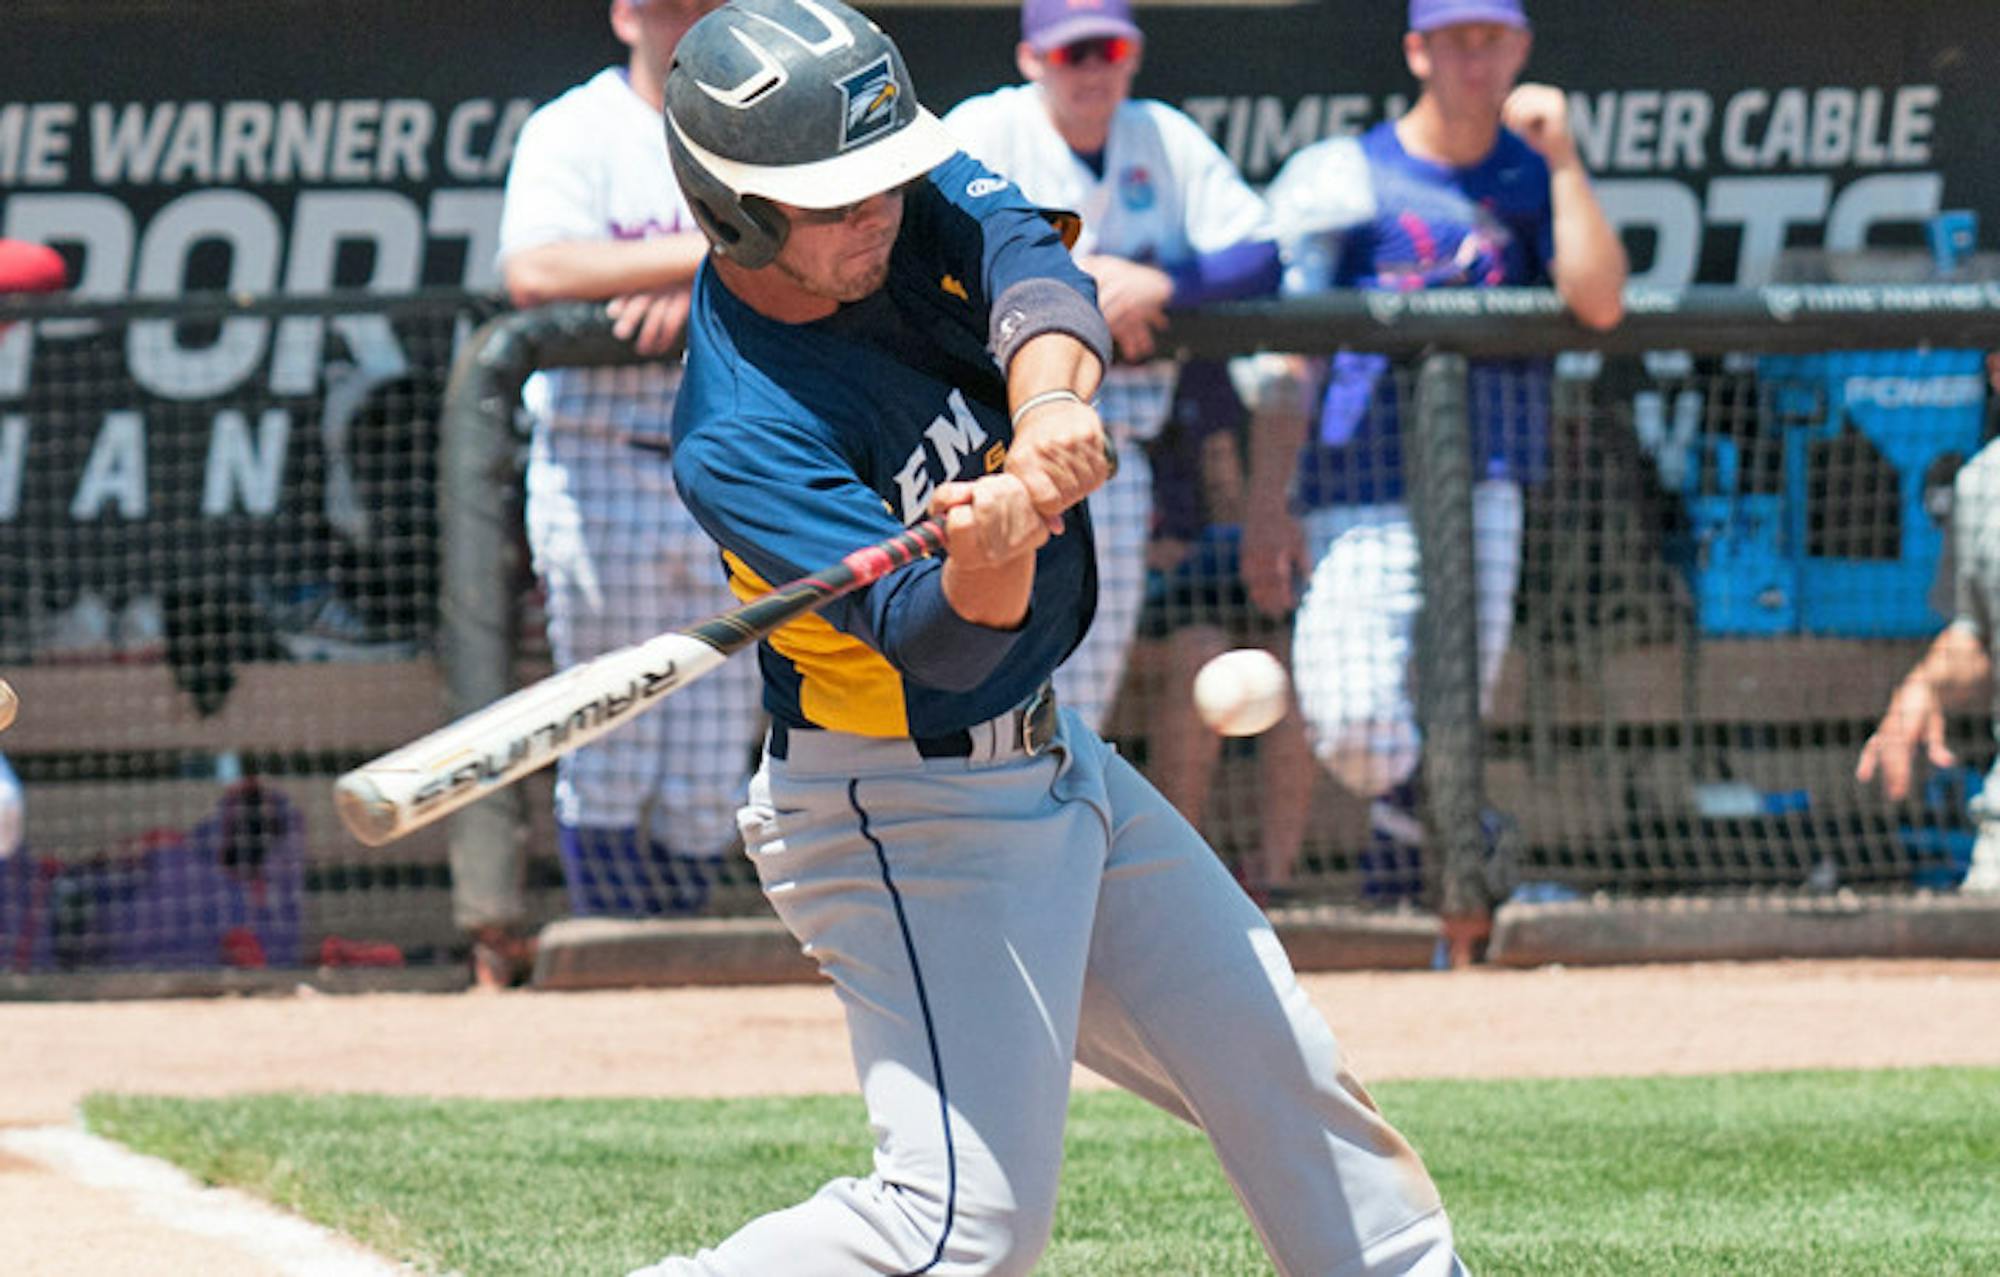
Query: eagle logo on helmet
870, 96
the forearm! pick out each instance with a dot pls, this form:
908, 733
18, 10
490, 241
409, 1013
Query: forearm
1957, 667
597, 270
1590, 266
1279, 410
996, 598
1048, 362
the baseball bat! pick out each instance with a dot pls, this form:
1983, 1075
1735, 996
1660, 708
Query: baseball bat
489, 749
10, 705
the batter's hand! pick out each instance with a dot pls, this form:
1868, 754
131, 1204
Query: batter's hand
1540, 114
1273, 556
1915, 720
1060, 455
989, 523
652, 322
1133, 297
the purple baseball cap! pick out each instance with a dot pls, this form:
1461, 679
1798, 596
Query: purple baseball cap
1429, 15
1051, 24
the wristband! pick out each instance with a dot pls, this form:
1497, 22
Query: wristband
1045, 397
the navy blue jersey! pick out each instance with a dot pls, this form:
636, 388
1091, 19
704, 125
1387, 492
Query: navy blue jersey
1365, 213
795, 444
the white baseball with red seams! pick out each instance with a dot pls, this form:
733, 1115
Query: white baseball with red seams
1242, 692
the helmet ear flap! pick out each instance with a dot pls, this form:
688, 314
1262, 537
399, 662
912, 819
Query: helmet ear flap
773, 229
747, 229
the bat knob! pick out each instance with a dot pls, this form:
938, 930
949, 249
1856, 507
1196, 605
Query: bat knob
369, 816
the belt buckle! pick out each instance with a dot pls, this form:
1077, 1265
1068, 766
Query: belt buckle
1038, 721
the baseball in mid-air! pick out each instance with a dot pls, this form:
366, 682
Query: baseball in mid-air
1242, 692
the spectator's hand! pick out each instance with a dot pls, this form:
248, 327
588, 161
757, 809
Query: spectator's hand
1061, 455
1915, 719
652, 322
989, 522
1134, 300
1274, 554
1540, 114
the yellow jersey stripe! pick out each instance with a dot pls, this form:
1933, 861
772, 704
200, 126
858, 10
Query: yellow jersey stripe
844, 685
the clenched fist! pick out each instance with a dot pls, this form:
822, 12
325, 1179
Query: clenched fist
1540, 114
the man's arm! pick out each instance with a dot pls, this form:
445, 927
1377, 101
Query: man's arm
553, 244
1589, 268
598, 270
1274, 552
1951, 673
1058, 451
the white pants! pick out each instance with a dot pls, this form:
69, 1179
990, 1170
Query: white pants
621, 560
986, 923
1354, 636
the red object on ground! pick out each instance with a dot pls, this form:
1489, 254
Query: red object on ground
31, 268
339, 951
242, 948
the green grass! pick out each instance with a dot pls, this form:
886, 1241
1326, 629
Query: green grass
1821, 1173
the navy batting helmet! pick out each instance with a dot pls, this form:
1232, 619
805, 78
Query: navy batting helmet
801, 101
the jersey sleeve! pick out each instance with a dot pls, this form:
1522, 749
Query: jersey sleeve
988, 227
551, 197
1321, 194
785, 502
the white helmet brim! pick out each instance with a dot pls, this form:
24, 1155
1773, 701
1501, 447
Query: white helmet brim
881, 165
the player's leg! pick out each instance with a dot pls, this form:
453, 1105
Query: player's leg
951, 907
1181, 752
600, 546
1286, 771
710, 729
1351, 644
1497, 520
1206, 1018
1121, 514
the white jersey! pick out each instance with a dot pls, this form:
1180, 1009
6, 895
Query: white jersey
592, 165
1167, 196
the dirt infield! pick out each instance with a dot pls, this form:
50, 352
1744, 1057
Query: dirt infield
788, 1039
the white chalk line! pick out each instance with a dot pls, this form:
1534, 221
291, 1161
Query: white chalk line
164, 1193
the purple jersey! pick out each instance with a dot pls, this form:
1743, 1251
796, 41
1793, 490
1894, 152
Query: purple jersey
1365, 213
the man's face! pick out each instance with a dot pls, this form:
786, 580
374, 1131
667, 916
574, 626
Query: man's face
1470, 66
1083, 82
841, 255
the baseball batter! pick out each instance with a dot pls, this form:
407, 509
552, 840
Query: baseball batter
888, 329
1478, 185
1167, 220
592, 212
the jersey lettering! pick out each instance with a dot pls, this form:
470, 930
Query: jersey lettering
954, 435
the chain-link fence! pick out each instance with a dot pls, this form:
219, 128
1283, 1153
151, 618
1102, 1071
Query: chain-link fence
1560, 624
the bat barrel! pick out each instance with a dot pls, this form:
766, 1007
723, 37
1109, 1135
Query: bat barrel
368, 815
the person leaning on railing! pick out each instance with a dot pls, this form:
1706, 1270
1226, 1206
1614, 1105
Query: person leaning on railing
592, 213
1478, 185
1959, 663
